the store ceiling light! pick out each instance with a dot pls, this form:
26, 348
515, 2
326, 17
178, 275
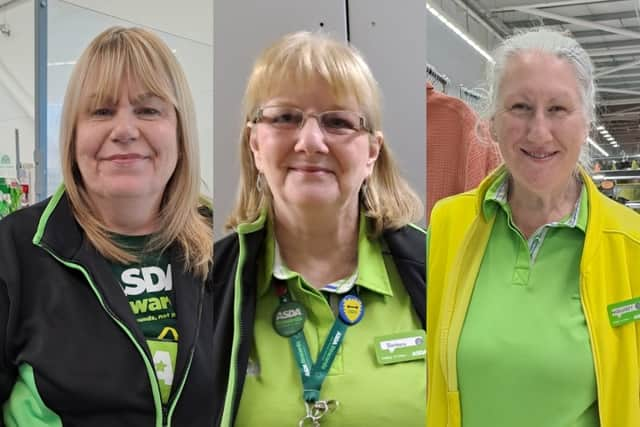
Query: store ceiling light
597, 147
600, 128
460, 33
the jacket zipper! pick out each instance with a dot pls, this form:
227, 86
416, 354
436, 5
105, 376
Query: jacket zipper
159, 408
167, 411
232, 389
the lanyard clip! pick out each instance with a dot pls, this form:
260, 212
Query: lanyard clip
316, 410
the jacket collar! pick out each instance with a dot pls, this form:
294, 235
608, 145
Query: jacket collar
57, 229
59, 233
595, 218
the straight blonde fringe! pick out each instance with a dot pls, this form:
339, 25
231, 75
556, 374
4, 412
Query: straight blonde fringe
112, 57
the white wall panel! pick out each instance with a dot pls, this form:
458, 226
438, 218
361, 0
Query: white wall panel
391, 36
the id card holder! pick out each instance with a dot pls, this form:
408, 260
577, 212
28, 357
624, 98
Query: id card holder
400, 347
623, 312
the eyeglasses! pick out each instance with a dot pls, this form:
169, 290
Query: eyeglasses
338, 122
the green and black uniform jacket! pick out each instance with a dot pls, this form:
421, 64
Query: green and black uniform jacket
406, 245
71, 352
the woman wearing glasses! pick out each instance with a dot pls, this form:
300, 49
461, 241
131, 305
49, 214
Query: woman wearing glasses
320, 292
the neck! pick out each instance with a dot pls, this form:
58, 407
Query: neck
128, 216
321, 248
533, 210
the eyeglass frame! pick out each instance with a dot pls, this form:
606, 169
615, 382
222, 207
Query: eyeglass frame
257, 117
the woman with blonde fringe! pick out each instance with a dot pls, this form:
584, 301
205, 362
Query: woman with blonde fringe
320, 293
105, 296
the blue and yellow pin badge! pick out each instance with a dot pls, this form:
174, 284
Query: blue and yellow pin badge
351, 309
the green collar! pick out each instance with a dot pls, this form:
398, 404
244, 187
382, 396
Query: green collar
371, 269
496, 197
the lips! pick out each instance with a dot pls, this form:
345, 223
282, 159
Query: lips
125, 157
311, 169
539, 154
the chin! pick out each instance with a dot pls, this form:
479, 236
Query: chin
310, 201
130, 190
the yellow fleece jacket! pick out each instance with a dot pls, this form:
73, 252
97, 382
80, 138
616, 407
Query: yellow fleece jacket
609, 273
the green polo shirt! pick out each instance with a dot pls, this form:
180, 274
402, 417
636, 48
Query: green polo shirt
524, 355
369, 393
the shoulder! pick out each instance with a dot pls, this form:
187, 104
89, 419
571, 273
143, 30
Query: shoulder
618, 219
23, 223
408, 242
455, 207
226, 247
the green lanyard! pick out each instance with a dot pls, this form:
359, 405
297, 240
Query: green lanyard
288, 321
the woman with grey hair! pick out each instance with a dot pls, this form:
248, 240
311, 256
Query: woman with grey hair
532, 294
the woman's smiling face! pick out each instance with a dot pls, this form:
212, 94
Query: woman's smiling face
540, 124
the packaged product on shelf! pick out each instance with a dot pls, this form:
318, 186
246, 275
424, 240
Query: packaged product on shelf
10, 197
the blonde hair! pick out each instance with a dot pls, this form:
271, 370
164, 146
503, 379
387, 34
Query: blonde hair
114, 56
294, 61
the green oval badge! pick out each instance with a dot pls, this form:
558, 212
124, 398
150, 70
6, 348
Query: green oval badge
289, 318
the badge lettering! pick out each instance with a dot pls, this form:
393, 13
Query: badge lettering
146, 279
618, 312
150, 304
287, 314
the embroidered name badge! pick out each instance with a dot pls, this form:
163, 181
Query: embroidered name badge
623, 312
400, 347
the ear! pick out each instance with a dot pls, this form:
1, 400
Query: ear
375, 145
253, 145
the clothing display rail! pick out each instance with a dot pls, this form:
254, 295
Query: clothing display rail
436, 77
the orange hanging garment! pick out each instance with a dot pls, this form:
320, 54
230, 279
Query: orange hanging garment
459, 153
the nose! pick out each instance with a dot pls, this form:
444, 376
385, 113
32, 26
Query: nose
311, 138
539, 127
124, 129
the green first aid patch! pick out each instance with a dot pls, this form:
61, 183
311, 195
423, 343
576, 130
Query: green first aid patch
624, 312
400, 347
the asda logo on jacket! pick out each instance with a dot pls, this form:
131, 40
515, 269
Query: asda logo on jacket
137, 281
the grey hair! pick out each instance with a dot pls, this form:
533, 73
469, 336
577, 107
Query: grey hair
555, 43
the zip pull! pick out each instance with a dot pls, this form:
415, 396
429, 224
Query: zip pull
165, 416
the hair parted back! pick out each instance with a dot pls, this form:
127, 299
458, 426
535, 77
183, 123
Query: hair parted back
136, 54
555, 43
298, 59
